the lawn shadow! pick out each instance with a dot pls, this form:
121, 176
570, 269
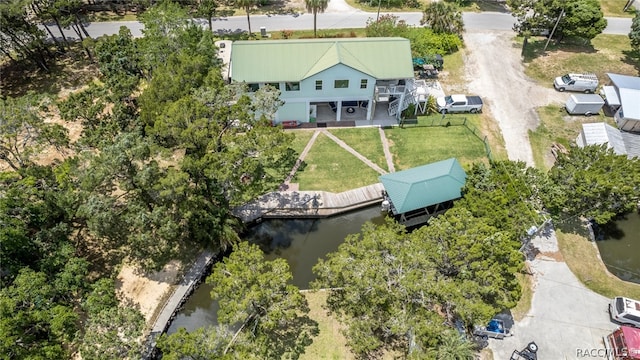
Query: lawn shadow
68, 71
632, 58
535, 47
279, 7
575, 225
492, 5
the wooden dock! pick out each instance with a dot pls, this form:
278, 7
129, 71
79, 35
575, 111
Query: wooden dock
308, 204
180, 294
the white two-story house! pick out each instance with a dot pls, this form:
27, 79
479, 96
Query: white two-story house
342, 77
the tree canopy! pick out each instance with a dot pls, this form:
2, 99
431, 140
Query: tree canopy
580, 18
634, 34
594, 182
267, 314
315, 7
396, 290
167, 148
443, 17
424, 41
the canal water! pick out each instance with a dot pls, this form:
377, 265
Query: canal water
300, 241
303, 241
619, 245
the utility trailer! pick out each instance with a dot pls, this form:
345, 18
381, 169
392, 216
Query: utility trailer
584, 104
528, 353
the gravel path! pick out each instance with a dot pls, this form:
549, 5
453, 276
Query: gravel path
494, 71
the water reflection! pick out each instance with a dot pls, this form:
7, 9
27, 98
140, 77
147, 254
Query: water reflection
300, 241
619, 245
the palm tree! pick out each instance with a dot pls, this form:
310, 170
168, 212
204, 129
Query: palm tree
443, 17
315, 6
247, 5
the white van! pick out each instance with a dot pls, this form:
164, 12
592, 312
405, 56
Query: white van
587, 83
625, 311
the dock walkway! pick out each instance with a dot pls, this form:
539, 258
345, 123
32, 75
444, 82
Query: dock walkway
180, 294
308, 204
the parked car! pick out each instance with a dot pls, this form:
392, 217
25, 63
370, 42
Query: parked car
623, 344
459, 103
584, 104
587, 83
625, 311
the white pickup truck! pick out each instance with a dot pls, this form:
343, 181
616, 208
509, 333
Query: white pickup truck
459, 103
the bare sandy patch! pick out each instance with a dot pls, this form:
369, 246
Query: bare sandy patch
147, 291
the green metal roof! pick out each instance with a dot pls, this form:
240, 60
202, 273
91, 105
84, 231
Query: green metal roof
425, 185
296, 60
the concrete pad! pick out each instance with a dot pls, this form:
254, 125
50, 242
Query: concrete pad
565, 318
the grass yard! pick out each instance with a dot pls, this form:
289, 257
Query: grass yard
452, 76
330, 343
556, 126
322, 33
614, 8
372, 6
300, 140
415, 146
366, 141
522, 307
605, 53
583, 259
331, 168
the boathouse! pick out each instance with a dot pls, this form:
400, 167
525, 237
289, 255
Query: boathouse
413, 196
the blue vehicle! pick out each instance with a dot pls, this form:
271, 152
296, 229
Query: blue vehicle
494, 329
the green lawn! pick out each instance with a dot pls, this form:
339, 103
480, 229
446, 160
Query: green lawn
330, 343
415, 146
331, 168
614, 8
452, 76
556, 126
582, 257
366, 141
605, 53
300, 140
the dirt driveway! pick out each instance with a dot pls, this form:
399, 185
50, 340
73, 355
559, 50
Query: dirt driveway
565, 317
494, 71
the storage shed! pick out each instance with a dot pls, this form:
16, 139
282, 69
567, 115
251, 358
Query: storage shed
625, 92
417, 194
601, 133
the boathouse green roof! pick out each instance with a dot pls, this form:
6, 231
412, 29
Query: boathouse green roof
295, 60
425, 185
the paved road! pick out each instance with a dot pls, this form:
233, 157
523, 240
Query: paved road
565, 317
351, 18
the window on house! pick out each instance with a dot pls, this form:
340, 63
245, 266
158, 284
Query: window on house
363, 84
275, 85
318, 84
292, 86
341, 84
253, 87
